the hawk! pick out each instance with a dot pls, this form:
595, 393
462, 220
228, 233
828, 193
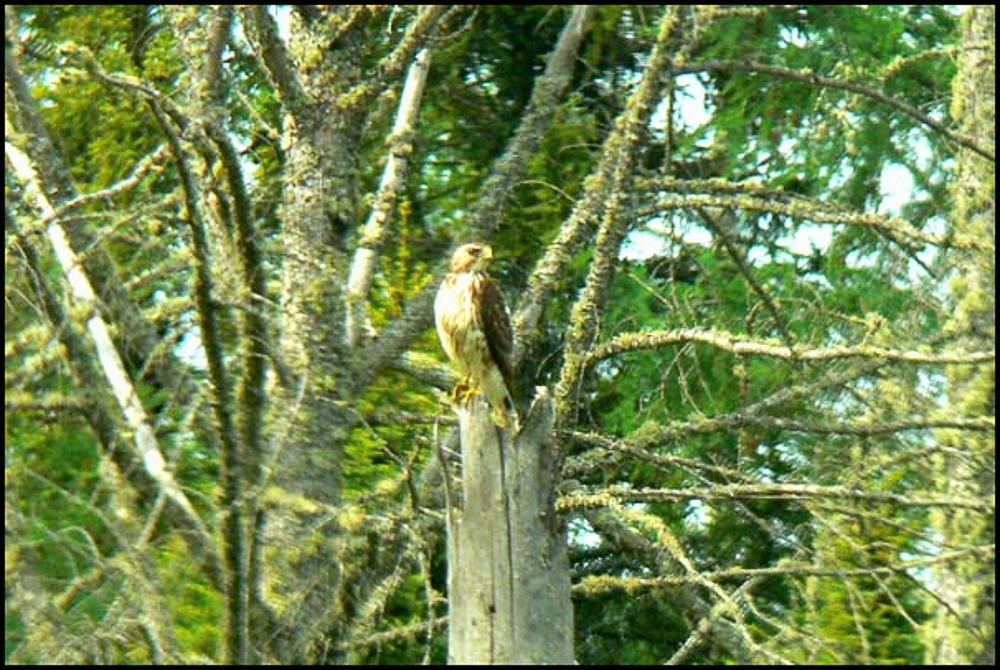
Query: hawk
473, 324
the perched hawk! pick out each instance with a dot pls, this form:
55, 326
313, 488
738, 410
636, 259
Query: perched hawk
473, 324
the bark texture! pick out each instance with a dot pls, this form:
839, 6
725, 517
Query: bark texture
964, 632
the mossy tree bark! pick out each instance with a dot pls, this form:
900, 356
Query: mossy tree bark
964, 632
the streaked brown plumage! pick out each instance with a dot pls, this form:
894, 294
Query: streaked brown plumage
474, 326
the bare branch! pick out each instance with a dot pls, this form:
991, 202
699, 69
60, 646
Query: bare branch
400, 146
391, 67
665, 542
125, 82
593, 584
262, 31
149, 163
655, 339
606, 450
748, 275
616, 495
615, 168
112, 366
489, 208
409, 632
897, 229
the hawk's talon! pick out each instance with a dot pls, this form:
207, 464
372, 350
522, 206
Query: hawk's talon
468, 392
461, 391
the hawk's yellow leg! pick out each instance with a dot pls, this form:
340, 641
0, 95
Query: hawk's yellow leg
470, 390
460, 390
464, 390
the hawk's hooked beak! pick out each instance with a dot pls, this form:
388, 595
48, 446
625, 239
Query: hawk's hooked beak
487, 253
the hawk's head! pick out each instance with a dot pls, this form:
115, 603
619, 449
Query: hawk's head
471, 258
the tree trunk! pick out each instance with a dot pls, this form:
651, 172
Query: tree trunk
964, 632
508, 573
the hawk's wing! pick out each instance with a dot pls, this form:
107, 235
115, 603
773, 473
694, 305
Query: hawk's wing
495, 321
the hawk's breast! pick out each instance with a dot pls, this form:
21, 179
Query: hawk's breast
457, 318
